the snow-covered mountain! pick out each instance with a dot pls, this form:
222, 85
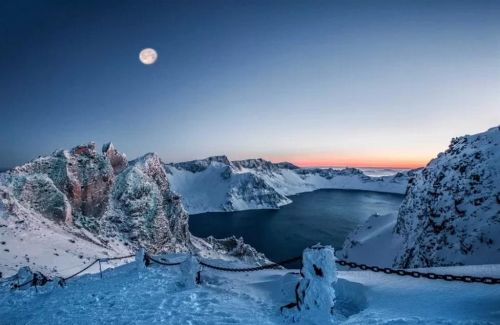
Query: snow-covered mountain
450, 214
218, 184
68, 208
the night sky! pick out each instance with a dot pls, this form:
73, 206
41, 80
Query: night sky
360, 83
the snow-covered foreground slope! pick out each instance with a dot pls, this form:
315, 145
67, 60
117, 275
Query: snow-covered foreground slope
217, 184
132, 295
450, 214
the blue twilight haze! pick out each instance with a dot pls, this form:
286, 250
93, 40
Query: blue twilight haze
315, 82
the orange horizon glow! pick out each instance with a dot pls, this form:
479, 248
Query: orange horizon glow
359, 162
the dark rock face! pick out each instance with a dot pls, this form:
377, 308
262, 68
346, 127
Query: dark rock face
451, 212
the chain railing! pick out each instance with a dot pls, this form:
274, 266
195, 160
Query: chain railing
418, 274
39, 279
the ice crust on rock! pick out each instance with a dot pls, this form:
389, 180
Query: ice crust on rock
315, 292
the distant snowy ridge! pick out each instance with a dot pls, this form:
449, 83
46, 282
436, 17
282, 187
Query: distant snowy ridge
218, 184
450, 214
64, 210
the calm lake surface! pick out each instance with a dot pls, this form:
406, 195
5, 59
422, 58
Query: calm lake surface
325, 216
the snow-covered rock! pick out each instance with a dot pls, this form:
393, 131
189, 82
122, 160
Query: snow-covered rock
315, 292
450, 214
117, 159
217, 184
143, 211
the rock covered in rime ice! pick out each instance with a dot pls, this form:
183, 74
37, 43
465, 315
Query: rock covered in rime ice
236, 247
144, 209
189, 271
100, 193
451, 212
315, 293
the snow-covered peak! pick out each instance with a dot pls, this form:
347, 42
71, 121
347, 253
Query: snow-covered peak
118, 160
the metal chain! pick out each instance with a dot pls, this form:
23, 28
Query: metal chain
252, 269
162, 263
417, 274
364, 267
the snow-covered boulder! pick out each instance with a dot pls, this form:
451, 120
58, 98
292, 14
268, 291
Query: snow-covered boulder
231, 247
189, 271
315, 293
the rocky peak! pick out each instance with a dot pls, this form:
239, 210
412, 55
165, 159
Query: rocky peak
286, 165
118, 160
85, 149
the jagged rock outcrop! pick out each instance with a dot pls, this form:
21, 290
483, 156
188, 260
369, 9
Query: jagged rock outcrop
99, 193
82, 175
451, 212
118, 160
144, 210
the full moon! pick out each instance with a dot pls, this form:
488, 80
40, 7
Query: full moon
148, 56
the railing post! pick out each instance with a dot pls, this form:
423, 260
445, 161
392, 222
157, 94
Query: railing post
314, 294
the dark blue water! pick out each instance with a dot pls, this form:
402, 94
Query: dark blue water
325, 216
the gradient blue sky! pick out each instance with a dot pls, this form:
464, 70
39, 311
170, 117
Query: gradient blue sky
363, 83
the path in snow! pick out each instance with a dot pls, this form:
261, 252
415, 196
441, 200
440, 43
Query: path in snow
154, 295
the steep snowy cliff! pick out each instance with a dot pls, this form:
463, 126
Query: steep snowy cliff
450, 214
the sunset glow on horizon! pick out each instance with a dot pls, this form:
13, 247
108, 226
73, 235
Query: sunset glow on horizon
358, 162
